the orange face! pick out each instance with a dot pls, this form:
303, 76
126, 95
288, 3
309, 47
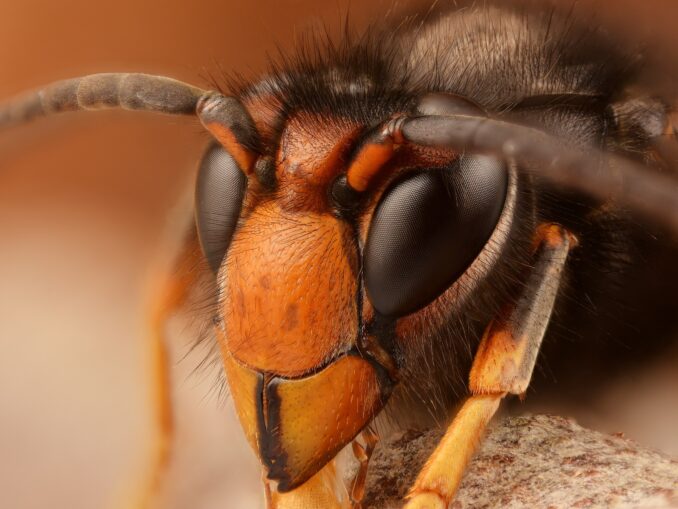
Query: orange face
290, 277
309, 358
290, 303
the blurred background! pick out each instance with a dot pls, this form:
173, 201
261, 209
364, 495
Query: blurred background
83, 206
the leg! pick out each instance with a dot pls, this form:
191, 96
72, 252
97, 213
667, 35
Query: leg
169, 294
363, 455
503, 365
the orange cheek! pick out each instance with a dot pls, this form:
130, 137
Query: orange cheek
290, 291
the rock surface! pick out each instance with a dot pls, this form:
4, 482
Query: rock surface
534, 461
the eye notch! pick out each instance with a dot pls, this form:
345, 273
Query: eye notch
427, 229
219, 193
264, 171
345, 199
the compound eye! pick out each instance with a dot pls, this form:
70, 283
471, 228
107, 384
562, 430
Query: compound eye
219, 193
428, 228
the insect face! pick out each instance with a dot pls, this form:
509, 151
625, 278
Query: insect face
369, 210
312, 287
295, 262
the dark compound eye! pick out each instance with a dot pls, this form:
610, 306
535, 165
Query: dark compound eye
428, 228
219, 193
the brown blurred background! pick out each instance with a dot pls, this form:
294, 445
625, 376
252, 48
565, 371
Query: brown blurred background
83, 202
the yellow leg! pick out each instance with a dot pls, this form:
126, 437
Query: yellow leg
441, 476
503, 365
169, 295
363, 455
